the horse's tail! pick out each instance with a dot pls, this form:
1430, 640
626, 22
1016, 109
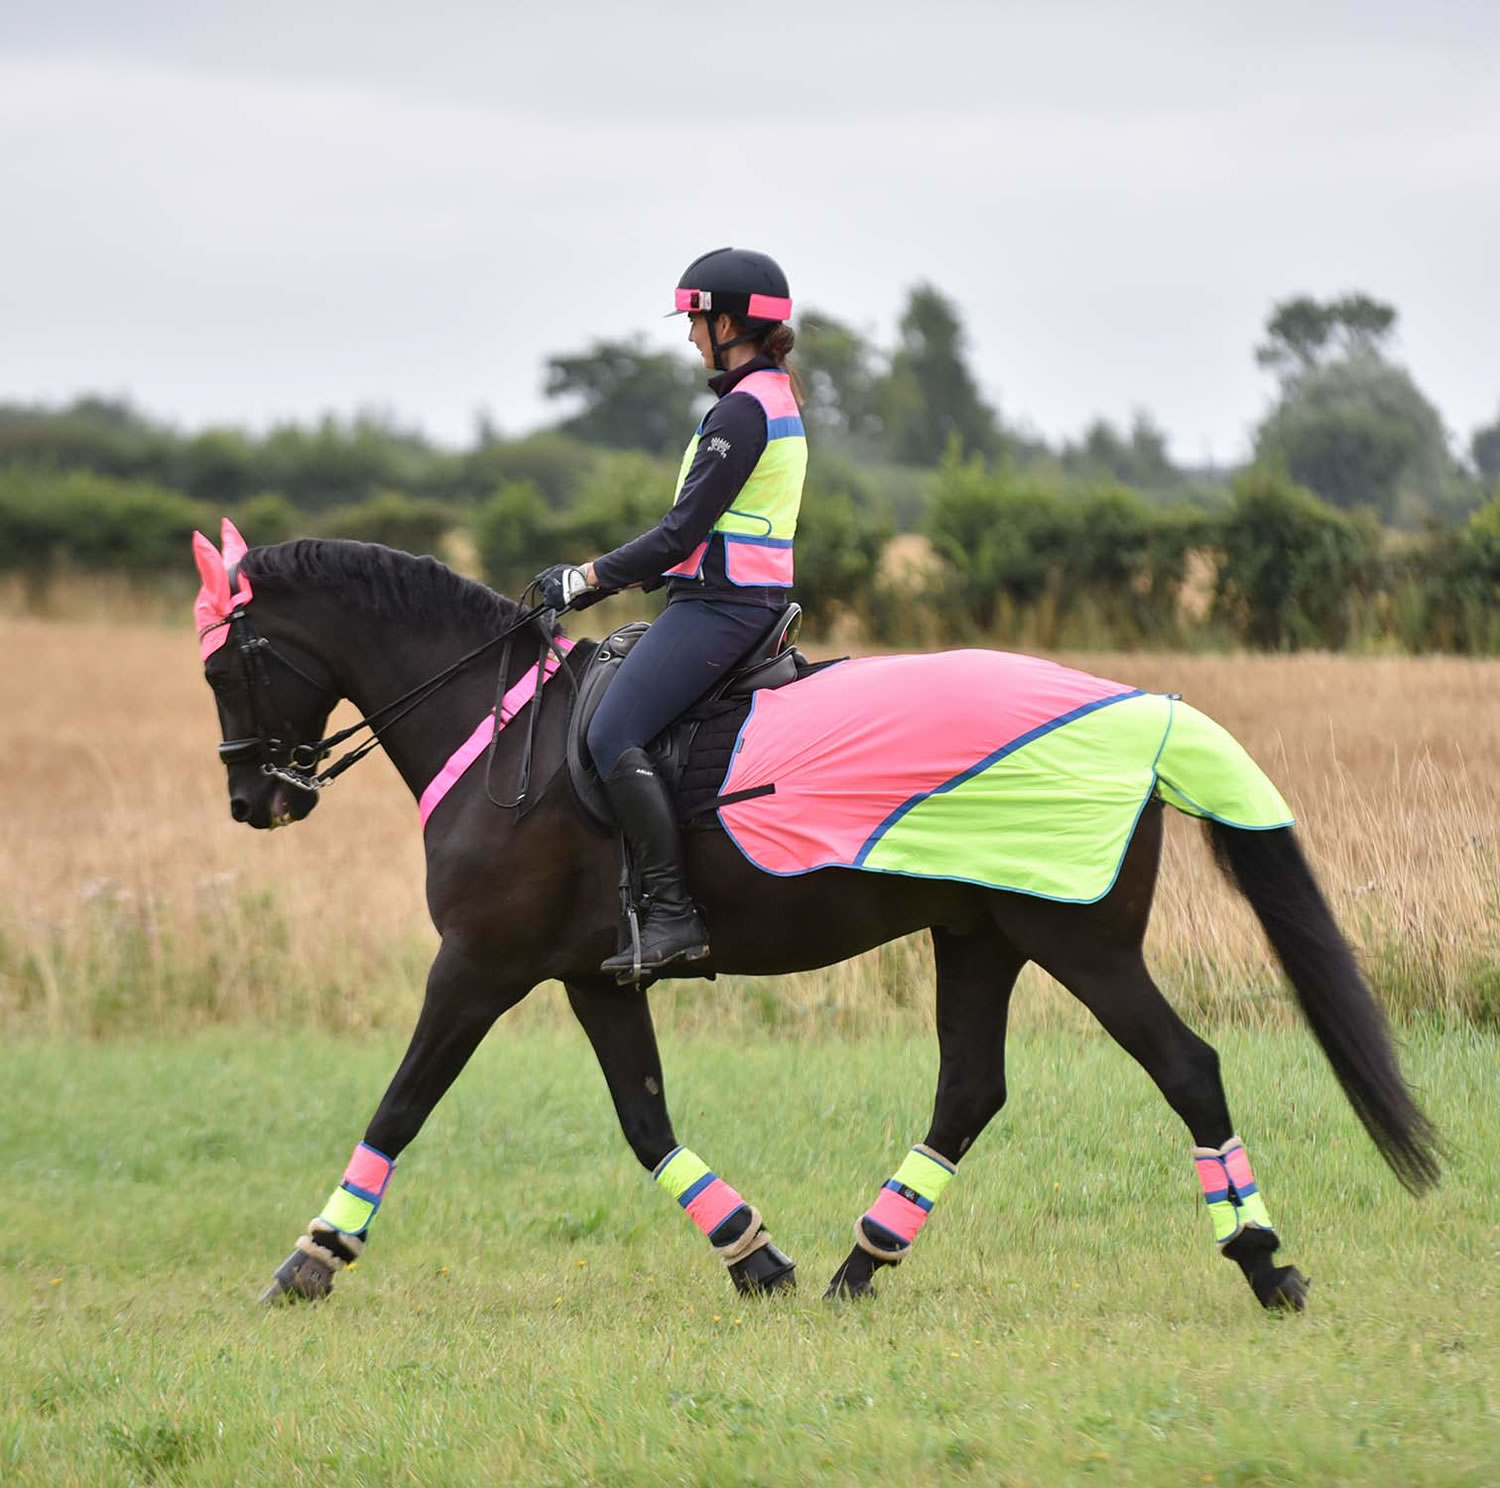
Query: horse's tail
1273, 875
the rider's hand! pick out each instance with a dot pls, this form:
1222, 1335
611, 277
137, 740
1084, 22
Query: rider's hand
562, 584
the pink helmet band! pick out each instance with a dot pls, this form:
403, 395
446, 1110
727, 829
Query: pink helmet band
769, 307
762, 307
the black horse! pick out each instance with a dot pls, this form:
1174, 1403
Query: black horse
521, 897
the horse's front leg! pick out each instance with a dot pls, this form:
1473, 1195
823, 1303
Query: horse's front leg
975, 975
464, 997
618, 1023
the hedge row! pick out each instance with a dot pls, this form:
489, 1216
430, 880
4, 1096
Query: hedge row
1008, 557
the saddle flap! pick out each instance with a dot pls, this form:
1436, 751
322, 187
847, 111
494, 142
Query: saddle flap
773, 662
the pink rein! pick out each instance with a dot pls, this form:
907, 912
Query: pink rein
477, 742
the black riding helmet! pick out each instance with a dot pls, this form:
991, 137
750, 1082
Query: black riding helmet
735, 281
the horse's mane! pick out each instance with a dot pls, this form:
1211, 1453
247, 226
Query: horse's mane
390, 584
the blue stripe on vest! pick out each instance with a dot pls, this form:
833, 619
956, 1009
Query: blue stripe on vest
756, 542
785, 428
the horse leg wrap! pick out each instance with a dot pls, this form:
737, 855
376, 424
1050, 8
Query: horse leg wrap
329, 1247
336, 1238
740, 1239
1230, 1191
887, 1228
353, 1204
711, 1204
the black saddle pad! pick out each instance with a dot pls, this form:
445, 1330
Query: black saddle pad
707, 763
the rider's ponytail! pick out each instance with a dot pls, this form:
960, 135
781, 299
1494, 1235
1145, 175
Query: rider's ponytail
778, 344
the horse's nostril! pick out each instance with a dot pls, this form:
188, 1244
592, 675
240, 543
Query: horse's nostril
239, 808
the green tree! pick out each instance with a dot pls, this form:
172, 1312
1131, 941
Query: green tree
1004, 537
1296, 333
841, 375
1359, 432
627, 494
557, 465
216, 466
1301, 331
392, 519
633, 398
1292, 570
269, 518
337, 463
1484, 451
102, 435
1126, 561
930, 395
516, 534
1139, 460
1362, 323
840, 540
75, 519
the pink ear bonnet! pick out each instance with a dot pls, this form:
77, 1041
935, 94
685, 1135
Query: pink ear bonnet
211, 610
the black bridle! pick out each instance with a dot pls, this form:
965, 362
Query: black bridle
295, 763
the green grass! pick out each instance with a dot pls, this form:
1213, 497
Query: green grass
533, 1310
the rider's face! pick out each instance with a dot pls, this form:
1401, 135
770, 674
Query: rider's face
698, 335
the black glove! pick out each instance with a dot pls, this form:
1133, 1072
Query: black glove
561, 585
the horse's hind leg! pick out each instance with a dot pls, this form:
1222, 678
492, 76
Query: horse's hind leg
618, 1023
975, 975
464, 997
1113, 983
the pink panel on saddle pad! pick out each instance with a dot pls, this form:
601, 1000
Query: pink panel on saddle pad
891, 1211
713, 1206
477, 742
848, 746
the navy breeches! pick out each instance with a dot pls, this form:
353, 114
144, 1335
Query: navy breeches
688, 649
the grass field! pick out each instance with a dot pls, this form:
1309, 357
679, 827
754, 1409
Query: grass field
129, 902
533, 1310
196, 1021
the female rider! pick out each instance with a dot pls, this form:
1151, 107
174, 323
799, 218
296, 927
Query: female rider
724, 551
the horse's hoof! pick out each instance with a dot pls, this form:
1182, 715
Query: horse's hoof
855, 1278
764, 1271
299, 1278
1284, 1290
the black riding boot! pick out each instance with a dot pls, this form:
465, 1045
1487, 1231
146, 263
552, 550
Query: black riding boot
671, 930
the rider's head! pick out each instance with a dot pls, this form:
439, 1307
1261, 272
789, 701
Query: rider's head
736, 297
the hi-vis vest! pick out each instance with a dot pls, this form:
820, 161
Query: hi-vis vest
758, 529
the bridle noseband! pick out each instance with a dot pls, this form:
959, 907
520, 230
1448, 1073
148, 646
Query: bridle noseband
279, 756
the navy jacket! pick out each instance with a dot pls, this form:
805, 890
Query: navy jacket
733, 440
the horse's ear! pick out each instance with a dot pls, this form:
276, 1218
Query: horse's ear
235, 547
211, 570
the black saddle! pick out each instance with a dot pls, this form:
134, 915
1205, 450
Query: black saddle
773, 662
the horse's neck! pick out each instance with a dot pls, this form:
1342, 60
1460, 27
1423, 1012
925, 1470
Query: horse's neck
387, 661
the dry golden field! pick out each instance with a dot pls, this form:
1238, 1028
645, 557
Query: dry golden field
130, 902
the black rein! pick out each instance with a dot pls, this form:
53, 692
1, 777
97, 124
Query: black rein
295, 763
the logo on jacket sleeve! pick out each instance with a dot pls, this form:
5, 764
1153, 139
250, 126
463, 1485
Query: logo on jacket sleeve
719, 445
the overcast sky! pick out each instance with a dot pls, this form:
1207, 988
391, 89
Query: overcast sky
288, 208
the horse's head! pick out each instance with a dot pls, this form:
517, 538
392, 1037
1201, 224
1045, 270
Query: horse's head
274, 696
